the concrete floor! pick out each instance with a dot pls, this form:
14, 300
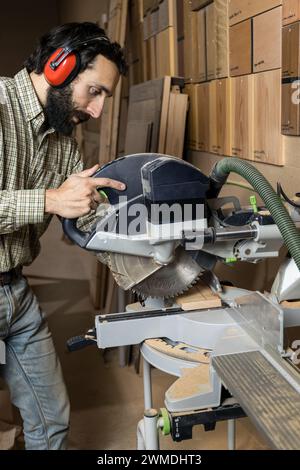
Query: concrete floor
106, 400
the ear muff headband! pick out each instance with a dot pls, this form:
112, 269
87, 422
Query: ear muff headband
64, 64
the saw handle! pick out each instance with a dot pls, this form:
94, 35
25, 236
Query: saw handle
70, 225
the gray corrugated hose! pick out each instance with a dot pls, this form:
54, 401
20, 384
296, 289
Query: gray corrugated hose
272, 201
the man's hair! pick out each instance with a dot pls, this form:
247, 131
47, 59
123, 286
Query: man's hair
72, 34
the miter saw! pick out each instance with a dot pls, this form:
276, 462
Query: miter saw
164, 232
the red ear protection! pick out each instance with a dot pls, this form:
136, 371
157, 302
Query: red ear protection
62, 67
64, 64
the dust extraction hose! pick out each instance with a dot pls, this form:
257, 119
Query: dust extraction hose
272, 201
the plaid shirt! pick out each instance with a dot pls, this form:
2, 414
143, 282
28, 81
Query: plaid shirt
32, 160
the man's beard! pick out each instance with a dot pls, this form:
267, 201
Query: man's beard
60, 111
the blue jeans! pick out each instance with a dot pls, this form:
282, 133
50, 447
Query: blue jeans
32, 370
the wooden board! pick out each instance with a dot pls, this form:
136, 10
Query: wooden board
192, 134
290, 11
267, 40
164, 115
138, 137
166, 54
202, 92
211, 41
213, 118
199, 297
240, 10
267, 145
222, 38
224, 116
197, 4
190, 39
166, 14
219, 117
242, 116
145, 102
290, 117
240, 49
291, 51
178, 104
199, 69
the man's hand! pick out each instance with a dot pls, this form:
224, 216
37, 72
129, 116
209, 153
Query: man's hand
78, 195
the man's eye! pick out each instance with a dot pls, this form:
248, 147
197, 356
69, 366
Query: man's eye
94, 91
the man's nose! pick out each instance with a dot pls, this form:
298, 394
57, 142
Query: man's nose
95, 107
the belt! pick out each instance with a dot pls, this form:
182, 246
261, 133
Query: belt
8, 277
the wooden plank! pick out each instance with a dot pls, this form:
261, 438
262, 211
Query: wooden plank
166, 53
213, 118
291, 51
202, 92
164, 115
152, 57
166, 14
211, 41
242, 116
189, 37
223, 116
138, 137
290, 11
199, 70
199, 297
290, 117
176, 124
240, 10
222, 38
267, 146
153, 28
240, 45
197, 4
267, 40
192, 134
145, 103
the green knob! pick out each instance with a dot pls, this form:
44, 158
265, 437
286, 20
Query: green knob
103, 193
253, 203
230, 260
166, 421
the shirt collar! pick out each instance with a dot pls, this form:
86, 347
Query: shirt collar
29, 101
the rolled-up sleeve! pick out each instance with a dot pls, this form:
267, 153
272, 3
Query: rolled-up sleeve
19, 208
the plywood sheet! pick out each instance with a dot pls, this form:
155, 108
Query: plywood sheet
242, 116
290, 11
240, 10
267, 118
267, 40
240, 45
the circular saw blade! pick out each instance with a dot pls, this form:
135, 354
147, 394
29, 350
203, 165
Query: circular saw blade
129, 270
148, 279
